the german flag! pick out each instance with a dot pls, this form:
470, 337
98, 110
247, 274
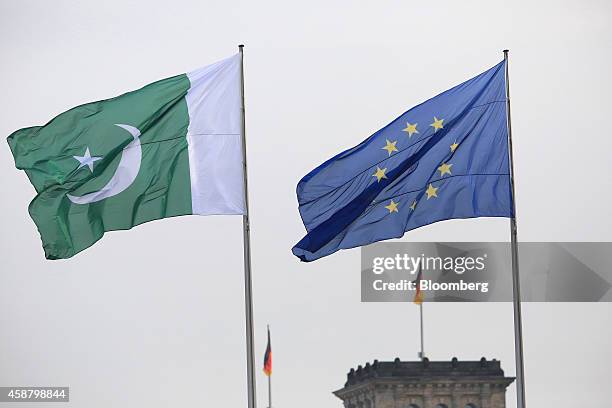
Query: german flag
267, 368
418, 296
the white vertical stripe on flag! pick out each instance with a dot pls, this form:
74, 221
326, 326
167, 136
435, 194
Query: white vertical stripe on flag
214, 139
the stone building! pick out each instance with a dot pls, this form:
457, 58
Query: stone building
426, 384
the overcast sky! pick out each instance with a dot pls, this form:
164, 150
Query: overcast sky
154, 316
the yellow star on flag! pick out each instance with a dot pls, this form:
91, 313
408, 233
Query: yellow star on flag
454, 146
413, 205
392, 207
431, 191
380, 174
410, 129
444, 169
390, 147
437, 124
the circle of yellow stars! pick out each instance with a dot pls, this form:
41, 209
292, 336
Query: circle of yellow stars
391, 147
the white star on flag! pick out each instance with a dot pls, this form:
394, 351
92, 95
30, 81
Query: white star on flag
87, 160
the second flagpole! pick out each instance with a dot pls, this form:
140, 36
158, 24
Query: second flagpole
270, 391
248, 287
422, 353
516, 283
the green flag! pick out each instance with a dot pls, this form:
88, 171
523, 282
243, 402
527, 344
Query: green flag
171, 148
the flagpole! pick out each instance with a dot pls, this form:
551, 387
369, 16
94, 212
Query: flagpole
248, 287
418, 299
422, 353
270, 391
516, 284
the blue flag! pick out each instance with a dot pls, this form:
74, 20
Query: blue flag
445, 158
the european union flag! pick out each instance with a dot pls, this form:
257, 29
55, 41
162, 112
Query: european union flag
445, 158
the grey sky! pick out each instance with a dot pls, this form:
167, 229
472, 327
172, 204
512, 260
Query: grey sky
154, 316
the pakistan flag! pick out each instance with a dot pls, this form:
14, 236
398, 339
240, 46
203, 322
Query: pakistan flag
171, 148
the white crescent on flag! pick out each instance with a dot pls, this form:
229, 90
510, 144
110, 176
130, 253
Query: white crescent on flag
124, 176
